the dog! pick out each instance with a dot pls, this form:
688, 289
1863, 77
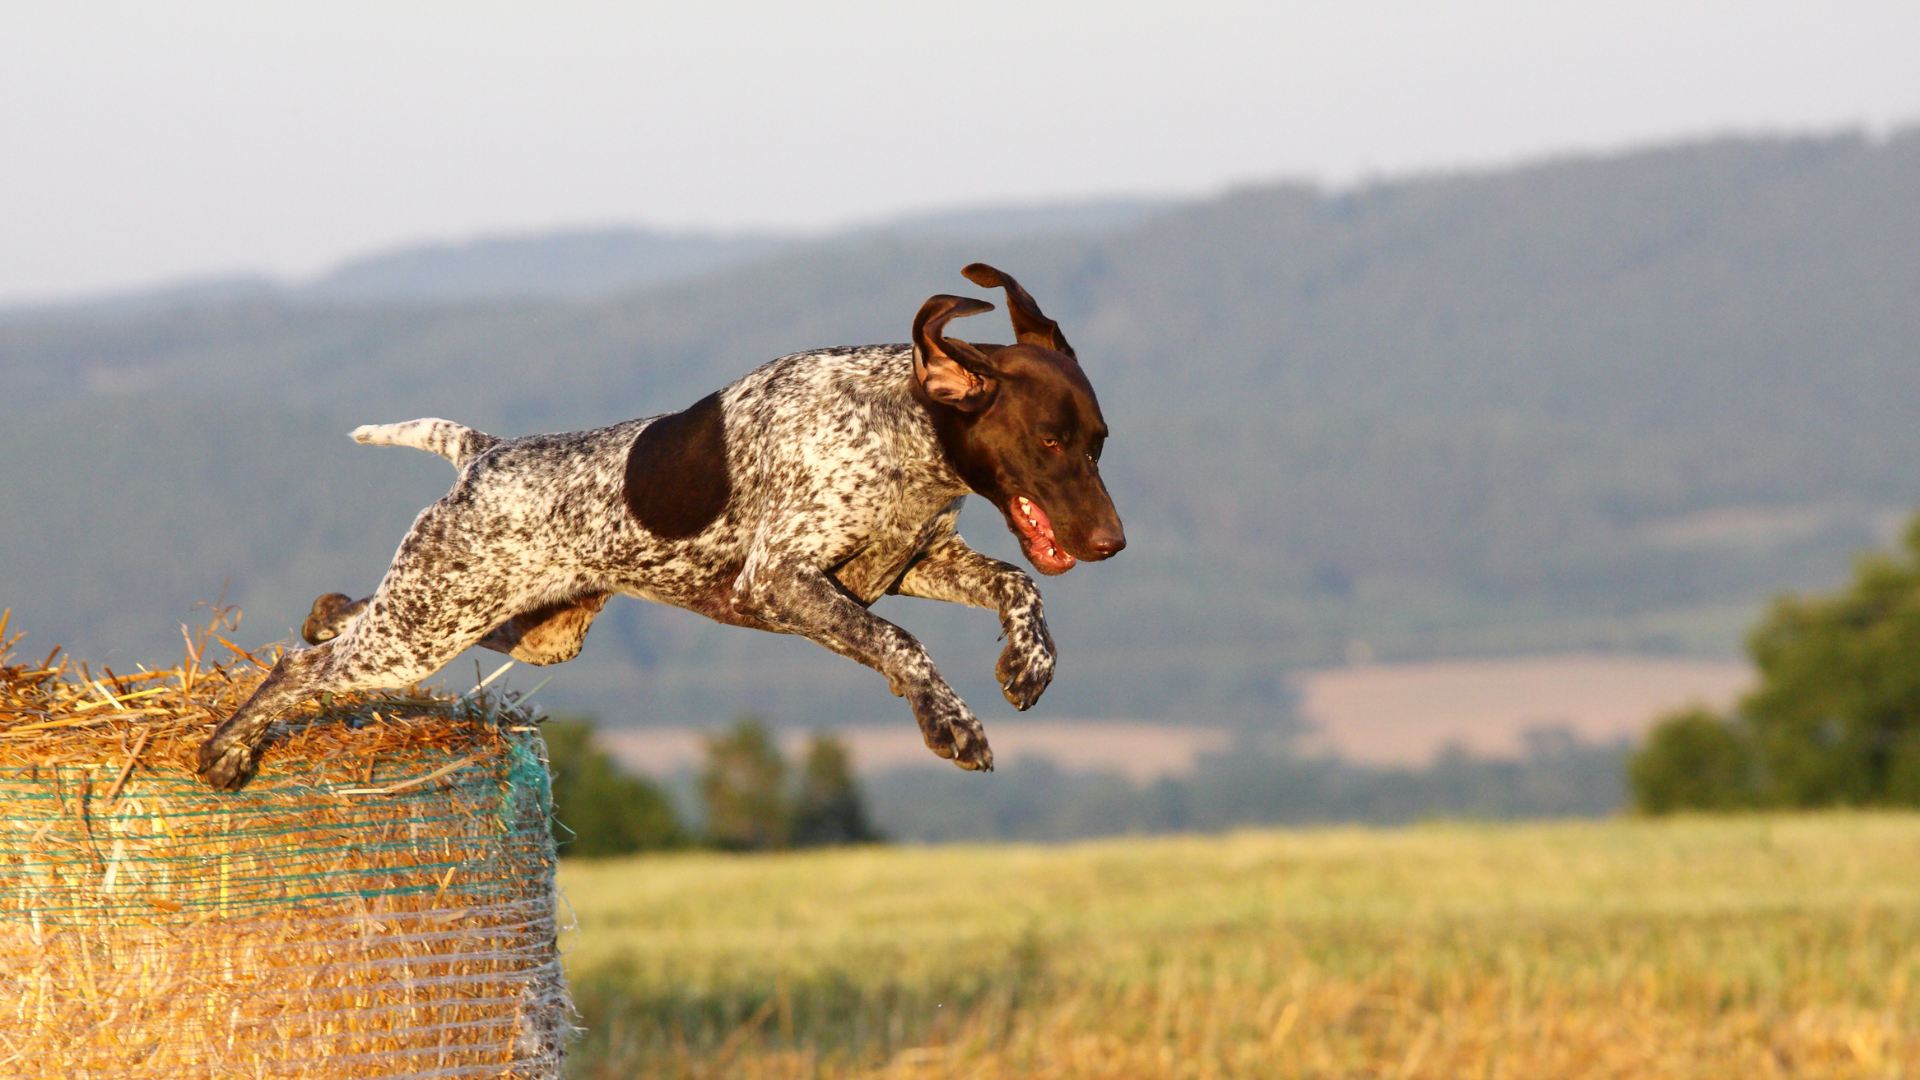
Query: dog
789, 501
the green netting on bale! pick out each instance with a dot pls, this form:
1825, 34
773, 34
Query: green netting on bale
280, 843
377, 902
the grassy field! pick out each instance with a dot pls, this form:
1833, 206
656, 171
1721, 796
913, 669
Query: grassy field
1739, 947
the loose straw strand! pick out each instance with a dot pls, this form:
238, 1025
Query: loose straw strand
139, 744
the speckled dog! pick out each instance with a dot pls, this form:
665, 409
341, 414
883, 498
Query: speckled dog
789, 501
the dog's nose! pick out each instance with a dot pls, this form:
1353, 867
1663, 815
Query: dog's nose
1107, 543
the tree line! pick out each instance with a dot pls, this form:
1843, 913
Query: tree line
753, 800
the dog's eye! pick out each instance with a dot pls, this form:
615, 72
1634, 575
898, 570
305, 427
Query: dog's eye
1051, 444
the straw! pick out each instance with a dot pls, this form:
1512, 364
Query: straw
152, 927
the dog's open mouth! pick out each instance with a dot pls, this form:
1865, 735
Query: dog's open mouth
1036, 537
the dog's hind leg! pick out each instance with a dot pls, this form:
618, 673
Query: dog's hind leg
367, 657
440, 596
549, 634
227, 757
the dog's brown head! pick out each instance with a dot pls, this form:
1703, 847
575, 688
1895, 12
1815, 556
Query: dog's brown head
1020, 424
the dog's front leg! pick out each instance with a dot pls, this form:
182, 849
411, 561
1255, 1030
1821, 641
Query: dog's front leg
954, 572
800, 598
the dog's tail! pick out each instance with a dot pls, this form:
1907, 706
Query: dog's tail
457, 443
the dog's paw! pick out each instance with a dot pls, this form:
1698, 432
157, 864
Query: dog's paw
1025, 668
950, 728
225, 766
329, 616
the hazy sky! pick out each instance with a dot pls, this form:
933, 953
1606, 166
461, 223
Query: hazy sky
146, 142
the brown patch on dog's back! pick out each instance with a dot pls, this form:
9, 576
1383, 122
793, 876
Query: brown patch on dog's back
677, 482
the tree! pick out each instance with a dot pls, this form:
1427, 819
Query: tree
744, 789
599, 808
1693, 760
828, 808
1835, 719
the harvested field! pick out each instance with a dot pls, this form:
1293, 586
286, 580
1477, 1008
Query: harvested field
1403, 714
1373, 714
1137, 750
1778, 946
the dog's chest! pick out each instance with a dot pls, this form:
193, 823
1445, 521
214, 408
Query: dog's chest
841, 464
873, 561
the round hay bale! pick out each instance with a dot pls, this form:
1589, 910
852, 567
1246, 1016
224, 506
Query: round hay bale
378, 902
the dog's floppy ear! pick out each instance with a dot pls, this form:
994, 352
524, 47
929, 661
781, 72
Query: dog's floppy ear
952, 371
1030, 324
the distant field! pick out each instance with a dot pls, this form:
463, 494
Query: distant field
1744, 947
1139, 751
1379, 714
1401, 714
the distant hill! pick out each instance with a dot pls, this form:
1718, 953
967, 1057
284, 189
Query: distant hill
557, 266
567, 264
1604, 403
576, 264
587, 264
1015, 222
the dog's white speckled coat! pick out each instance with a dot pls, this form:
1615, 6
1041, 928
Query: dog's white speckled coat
835, 490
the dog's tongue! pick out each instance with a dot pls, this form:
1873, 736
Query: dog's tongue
1037, 533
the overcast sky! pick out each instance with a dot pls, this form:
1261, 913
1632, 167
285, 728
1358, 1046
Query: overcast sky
141, 143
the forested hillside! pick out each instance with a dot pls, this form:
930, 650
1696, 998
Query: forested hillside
1600, 402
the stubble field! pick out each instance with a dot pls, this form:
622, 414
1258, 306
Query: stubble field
1750, 946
